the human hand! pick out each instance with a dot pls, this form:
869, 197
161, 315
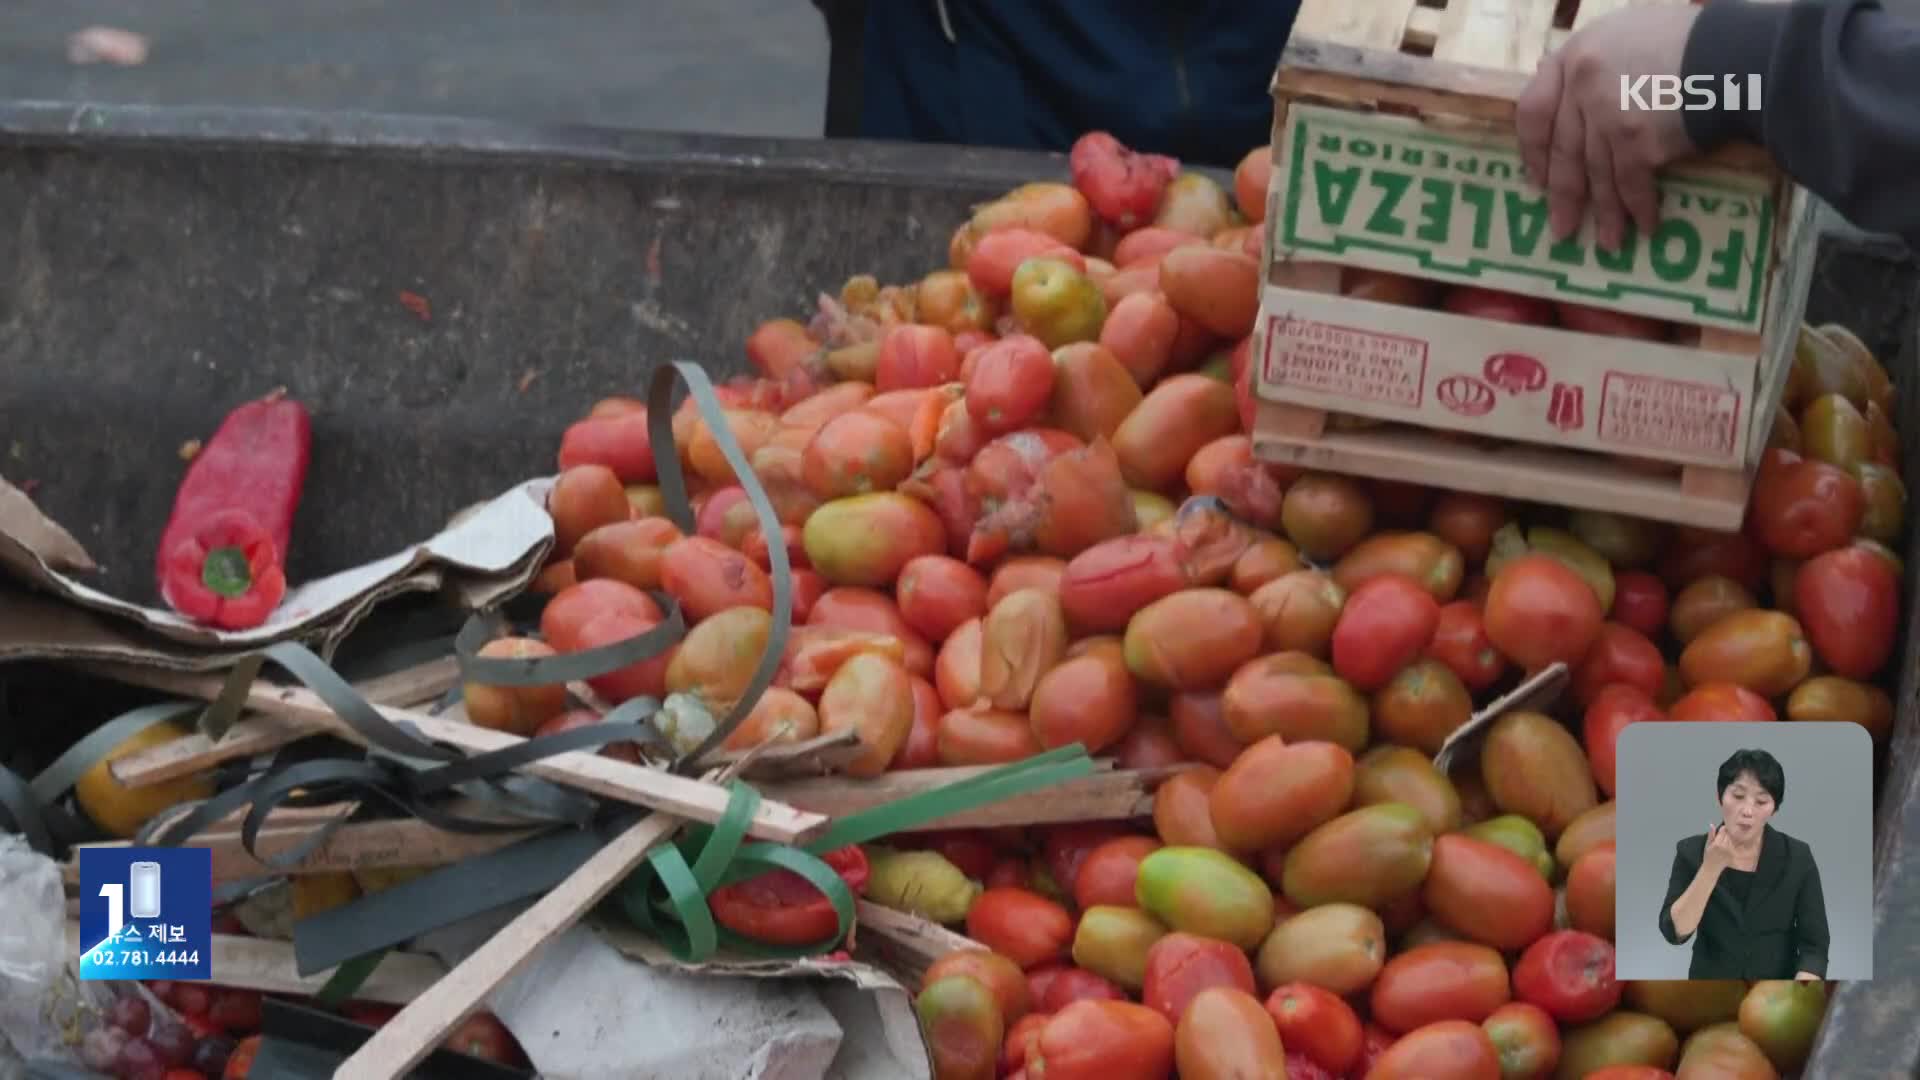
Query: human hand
1578, 143
1719, 851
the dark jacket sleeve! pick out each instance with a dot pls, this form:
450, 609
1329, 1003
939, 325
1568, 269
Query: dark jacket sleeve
1840, 93
1810, 920
1677, 882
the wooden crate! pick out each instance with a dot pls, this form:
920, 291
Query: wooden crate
1394, 150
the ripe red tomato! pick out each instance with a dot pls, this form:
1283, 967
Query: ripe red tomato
1640, 601
1020, 1039
1619, 654
1104, 1040
1848, 602
1697, 553
968, 849
1108, 873
782, 908
1460, 642
483, 1036
1499, 306
1020, 924
1066, 847
1805, 508
1180, 965
1569, 973
1318, 1023
1055, 988
1612, 710
1122, 185
1721, 701
1384, 626
1538, 612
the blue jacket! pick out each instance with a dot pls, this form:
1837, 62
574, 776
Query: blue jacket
1181, 77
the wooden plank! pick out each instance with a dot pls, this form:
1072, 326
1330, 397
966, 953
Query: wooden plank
250, 963
398, 842
1533, 473
1101, 796
1507, 34
1380, 25
641, 785
256, 735
906, 943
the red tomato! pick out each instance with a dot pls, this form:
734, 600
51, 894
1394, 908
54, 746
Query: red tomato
1805, 508
1104, 1040
1384, 626
240, 1062
1721, 701
1123, 186
1316, 1022
1593, 320
1374, 1041
1020, 1039
1538, 611
913, 356
1640, 601
1020, 924
1849, 603
782, 908
1460, 642
1454, 1049
235, 1010
1108, 873
1619, 654
1526, 1037
1440, 980
938, 593
1697, 553
1066, 847
1302, 1067
1569, 973
1064, 986
1612, 710
183, 1074
1008, 870
485, 1037
1181, 965
1010, 385
969, 849
1499, 306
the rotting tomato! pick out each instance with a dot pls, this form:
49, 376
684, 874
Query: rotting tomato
937, 593
1010, 384
1538, 612
1383, 627
1460, 642
1123, 186
1569, 973
963, 1028
1849, 603
1201, 728
1181, 965
1067, 847
998, 974
1318, 1023
1020, 924
780, 907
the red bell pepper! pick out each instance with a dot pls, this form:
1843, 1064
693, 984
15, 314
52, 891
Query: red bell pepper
780, 907
222, 559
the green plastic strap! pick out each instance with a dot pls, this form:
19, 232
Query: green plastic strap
347, 979
681, 920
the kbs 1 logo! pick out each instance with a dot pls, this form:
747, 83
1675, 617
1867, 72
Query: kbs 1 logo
1695, 93
146, 913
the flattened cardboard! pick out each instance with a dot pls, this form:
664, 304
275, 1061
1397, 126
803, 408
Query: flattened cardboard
48, 613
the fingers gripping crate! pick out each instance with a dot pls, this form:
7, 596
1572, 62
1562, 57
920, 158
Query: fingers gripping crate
1394, 151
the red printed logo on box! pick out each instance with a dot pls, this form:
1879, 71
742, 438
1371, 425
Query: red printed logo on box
1653, 413
1465, 395
1345, 361
1516, 373
1566, 410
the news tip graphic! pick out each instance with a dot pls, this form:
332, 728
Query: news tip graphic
1809, 784
146, 913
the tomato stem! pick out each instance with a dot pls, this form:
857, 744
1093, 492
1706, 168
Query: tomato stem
227, 572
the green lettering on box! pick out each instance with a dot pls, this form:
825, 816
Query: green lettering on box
1421, 214
1392, 188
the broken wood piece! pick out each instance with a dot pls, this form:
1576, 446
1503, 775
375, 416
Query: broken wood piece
250, 963
817, 756
424, 1023
1109, 794
395, 842
257, 735
906, 943
655, 789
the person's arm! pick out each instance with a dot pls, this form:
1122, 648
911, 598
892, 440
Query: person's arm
1810, 925
1840, 94
1688, 888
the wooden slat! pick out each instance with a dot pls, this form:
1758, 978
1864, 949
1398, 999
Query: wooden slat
1506, 34
1376, 25
1532, 473
1103, 795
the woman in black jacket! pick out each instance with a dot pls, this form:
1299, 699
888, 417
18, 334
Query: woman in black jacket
1747, 895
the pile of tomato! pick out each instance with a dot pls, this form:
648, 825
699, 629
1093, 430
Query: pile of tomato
1023, 510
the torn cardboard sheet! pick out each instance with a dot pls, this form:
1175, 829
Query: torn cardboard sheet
483, 556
